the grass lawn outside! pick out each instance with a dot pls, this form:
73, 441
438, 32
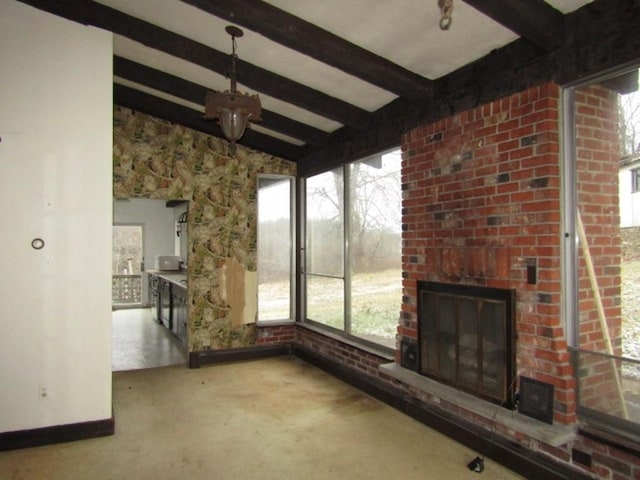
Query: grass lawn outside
376, 299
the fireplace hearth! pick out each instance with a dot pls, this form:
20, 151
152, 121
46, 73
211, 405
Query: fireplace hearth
466, 338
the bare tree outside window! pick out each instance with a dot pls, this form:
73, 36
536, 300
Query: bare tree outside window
353, 248
629, 120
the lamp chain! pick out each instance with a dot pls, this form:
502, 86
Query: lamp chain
234, 58
446, 10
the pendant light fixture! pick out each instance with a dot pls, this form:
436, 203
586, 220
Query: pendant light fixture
231, 108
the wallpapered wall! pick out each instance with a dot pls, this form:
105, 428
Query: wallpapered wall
156, 159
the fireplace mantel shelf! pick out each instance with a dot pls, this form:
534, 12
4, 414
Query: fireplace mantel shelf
554, 435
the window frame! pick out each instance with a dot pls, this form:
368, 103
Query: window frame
343, 334
635, 180
570, 310
293, 188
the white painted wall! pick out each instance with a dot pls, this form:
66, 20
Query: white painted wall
158, 228
629, 202
56, 112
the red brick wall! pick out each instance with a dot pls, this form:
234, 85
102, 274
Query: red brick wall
347, 355
597, 165
481, 201
598, 158
275, 335
610, 462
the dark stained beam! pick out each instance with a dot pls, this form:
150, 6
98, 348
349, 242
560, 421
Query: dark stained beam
601, 36
535, 20
92, 13
307, 38
623, 84
195, 93
178, 114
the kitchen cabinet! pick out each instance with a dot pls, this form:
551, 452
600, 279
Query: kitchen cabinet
169, 302
179, 312
154, 297
165, 302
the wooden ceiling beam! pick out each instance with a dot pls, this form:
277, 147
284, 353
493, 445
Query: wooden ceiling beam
304, 37
195, 93
602, 35
165, 110
534, 20
93, 13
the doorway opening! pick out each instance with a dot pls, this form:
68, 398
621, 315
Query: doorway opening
143, 230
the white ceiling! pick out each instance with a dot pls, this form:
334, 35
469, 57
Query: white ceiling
405, 32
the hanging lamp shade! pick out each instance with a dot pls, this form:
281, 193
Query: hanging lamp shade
231, 108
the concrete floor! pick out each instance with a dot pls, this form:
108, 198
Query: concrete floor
278, 418
139, 342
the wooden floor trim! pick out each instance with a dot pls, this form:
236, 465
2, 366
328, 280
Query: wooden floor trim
56, 434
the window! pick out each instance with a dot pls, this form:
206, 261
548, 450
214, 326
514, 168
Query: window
127, 264
275, 248
635, 180
353, 248
602, 256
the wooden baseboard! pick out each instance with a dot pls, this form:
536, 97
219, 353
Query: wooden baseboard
208, 357
56, 434
513, 456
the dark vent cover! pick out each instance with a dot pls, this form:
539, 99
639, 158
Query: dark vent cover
409, 354
536, 399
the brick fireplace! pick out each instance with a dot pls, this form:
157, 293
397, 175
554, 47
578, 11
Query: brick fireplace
482, 207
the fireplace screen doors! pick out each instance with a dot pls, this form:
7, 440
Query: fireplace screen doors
466, 338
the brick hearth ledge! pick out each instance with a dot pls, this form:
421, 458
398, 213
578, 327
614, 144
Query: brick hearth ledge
554, 435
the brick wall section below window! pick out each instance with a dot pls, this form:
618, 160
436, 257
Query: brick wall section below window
347, 355
275, 335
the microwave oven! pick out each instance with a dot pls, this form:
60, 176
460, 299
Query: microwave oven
167, 262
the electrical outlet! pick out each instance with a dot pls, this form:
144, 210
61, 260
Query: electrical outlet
43, 392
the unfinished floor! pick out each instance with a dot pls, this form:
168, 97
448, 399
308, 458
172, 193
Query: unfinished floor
278, 418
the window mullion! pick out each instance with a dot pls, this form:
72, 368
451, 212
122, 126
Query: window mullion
348, 210
301, 229
570, 237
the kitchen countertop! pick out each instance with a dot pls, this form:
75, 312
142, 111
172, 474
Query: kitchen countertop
176, 277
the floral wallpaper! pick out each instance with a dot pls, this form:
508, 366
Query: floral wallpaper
153, 158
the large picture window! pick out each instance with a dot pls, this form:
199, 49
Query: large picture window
352, 253
603, 251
